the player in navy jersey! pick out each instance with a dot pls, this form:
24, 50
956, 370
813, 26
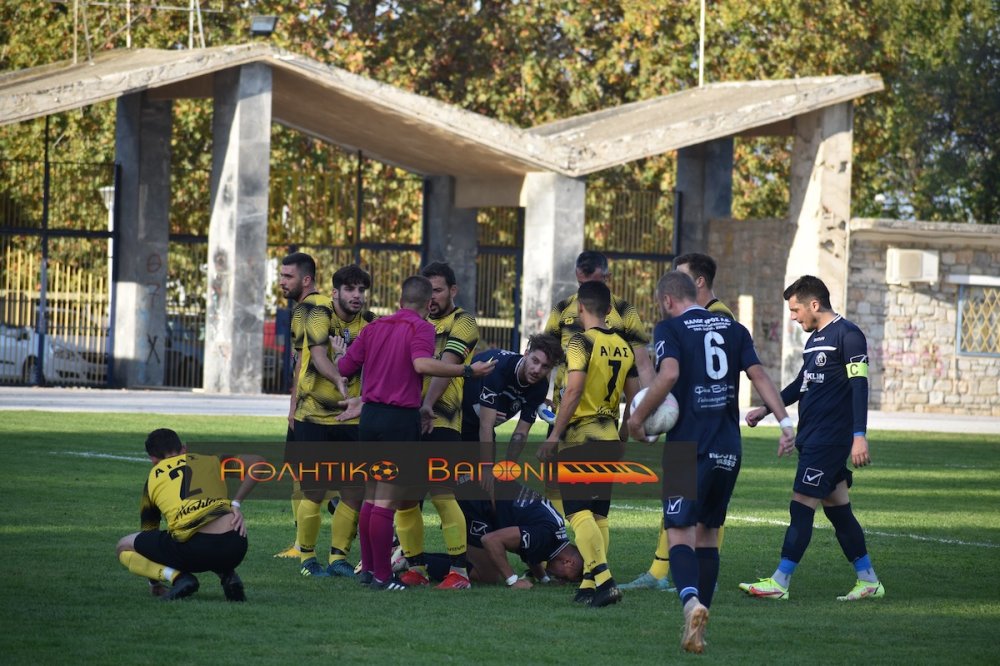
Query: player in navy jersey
832, 392
699, 357
517, 384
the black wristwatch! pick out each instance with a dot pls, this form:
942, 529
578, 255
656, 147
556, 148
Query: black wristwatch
467, 371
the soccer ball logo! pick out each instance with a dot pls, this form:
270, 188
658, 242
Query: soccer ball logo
384, 470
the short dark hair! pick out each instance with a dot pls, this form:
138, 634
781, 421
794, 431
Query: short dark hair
701, 265
305, 264
548, 344
416, 291
352, 275
590, 261
163, 443
595, 297
809, 287
439, 269
676, 285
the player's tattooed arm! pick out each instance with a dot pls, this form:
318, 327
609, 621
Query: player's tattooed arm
516, 444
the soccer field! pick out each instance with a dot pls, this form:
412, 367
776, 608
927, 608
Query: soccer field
71, 485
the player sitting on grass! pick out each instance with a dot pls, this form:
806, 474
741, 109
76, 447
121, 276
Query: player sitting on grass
205, 530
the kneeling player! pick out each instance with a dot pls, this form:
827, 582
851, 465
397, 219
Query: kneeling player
524, 523
205, 530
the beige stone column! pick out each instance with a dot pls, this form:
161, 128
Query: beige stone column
819, 213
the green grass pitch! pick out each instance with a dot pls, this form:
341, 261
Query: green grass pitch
929, 505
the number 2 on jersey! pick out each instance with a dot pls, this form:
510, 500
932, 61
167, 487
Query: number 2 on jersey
185, 472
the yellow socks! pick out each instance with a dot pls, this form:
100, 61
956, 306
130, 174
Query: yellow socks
602, 524
410, 530
591, 544
452, 524
661, 560
345, 528
307, 529
141, 566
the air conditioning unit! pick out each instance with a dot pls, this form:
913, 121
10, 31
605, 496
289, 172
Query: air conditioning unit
907, 266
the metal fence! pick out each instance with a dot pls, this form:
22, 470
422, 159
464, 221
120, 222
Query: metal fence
635, 230
55, 304
55, 241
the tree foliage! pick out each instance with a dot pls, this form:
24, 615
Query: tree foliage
926, 148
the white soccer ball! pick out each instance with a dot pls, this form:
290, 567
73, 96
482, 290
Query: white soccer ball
398, 561
663, 418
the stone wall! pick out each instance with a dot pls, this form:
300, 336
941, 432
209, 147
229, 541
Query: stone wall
751, 257
913, 329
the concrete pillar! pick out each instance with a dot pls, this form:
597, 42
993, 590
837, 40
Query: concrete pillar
705, 180
451, 236
237, 235
553, 237
819, 210
142, 146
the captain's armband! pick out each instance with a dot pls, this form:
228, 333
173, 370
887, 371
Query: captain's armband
857, 370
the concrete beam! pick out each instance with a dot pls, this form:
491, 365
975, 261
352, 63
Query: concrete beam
486, 192
142, 146
705, 181
553, 238
820, 209
237, 236
451, 236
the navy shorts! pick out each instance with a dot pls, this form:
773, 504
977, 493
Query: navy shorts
717, 473
541, 535
821, 468
220, 553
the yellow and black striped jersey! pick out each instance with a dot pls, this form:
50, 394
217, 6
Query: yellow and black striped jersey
607, 359
317, 397
188, 491
458, 333
716, 306
564, 323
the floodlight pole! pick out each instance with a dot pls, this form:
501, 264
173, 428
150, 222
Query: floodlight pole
701, 47
76, 9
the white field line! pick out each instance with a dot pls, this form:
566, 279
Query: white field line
104, 456
784, 523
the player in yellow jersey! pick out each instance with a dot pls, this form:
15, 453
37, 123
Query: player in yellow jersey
320, 396
701, 268
456, 337
622, 319
298, 283
600, 366
205, 530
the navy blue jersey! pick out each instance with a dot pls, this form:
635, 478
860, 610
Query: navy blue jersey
501, 390
711, 351
832, 386
543, 530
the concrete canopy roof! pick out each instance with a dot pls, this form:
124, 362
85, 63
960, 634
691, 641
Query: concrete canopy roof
424, 135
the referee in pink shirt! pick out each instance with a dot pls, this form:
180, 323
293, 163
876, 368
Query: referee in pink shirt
395, 352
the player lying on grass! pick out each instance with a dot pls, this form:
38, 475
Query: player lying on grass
205, 530
525, 524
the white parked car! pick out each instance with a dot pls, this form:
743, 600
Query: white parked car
64, 362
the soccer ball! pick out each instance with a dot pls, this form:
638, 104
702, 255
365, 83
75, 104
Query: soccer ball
663, 418
398, 561
383, 470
